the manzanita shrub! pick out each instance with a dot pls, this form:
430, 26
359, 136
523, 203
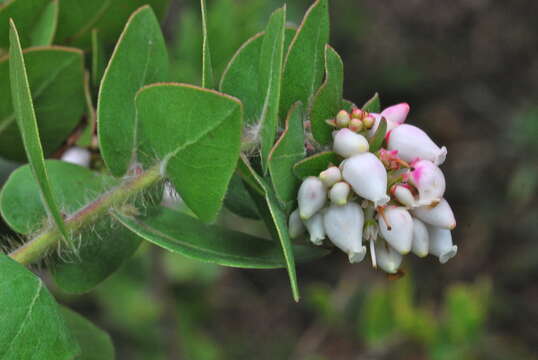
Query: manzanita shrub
272, 134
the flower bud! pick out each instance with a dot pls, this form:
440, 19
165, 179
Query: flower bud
429, 181
396, 113
396, 227
403, 194
440, 215
315, 228
412, 143
441, 244
330, 176
296, 226
78, 156
368, 121
421, 242
388, 259
342, 119
347, 143
343, 225
367, 176
355, 125
339, 193
357, 113
312, 197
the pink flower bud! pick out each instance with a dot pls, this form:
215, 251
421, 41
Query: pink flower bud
396, 227
440, 215
78, 156
421, 242
339, 193
387, 258
441, 244
412, 143
330, 176
429, 181
295, 225
342, 119
396, 113
367, 176
312, 197
404, 195
347, 143
343, 225
315, 228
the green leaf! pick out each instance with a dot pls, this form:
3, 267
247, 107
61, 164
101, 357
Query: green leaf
379, 136
93, 256
303, 67
241, 77
185, 235
280, 223
270, 70
313, 165
373, 105
87, 136
95, 344
197, 132
140, 58
32, 325
376, 323
208, 79
287, 151
56, 77
45, 28
348, 105
98, 58
328, 99
238, 199
26, 14
26, 120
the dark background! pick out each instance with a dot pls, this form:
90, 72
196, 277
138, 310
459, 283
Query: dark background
469, 70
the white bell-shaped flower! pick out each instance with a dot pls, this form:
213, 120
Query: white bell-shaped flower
404, 195
412, 143
421, 242
441, 244
429, 180
77, 155
440, 215
339, 193
312, 197
296, 226
396, 227
330, 176
348, 143
315, 228
367, 176
343, 225
387, 258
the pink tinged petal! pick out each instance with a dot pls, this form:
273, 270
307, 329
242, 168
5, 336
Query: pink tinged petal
312, 197
348, 143
440, 215
429, 181
396, 113
339, 193
330, 176
387, 258
296, 226
396, 227
367, 177
315, 228
441, 244
421, 242
343, 225
412, 143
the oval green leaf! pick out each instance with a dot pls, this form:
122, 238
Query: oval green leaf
45, 28
26, 14
140, 58
373, 105
32, 325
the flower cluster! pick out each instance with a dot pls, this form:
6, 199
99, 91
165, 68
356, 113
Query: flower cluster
391, 199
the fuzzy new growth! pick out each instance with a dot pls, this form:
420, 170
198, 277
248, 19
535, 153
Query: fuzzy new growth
392, 199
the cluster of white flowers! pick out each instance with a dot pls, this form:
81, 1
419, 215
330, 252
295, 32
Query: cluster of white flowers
392, 198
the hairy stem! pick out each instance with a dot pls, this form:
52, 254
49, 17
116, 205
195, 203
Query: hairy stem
37, 246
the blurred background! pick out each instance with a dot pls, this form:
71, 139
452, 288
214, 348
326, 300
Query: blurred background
469, 70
